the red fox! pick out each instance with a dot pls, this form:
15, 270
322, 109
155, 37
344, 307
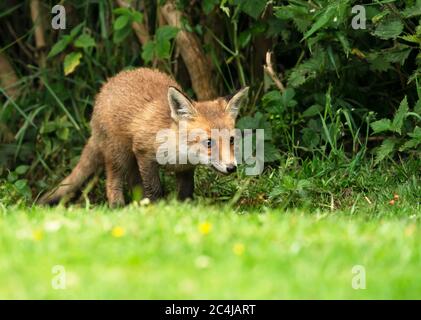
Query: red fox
130, 111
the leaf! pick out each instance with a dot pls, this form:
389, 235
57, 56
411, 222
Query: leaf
379, 64
162, 49
271, 153
398, 54
400, 116
253, 8
414, 142
136, 16
76, 30
121, 22
287, 98
84, 41
122, 11
12, 176
148, 51
59, 46
208, 5
120, 35
21, 184
166, 33
322, 21
412, 11
387, 147
310, 138
244, 38
248, 122
71, 61
22, 169
315, 109
389, 28
417, 108
381, 125
63, 134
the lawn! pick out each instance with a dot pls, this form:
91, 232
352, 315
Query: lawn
196, 250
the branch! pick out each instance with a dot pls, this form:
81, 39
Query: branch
8, 77
268, 68
140, 29
194, 58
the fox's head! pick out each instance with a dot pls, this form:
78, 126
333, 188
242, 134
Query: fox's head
209, 127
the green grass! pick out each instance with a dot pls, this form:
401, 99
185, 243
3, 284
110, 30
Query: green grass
163, 251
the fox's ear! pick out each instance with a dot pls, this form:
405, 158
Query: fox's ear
180, 105
237, 101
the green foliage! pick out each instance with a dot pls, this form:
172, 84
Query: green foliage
350, 95
160, 47
405, 139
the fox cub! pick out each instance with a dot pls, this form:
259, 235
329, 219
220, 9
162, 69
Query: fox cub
130, 111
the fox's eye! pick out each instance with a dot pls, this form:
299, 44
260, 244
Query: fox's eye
208, 143
231, 140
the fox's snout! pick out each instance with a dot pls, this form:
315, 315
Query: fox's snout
231, 168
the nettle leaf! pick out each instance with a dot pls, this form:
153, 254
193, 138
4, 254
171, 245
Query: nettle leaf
307, 70
398, 54
417, 108
84, 41
71, 61
381, 125
414, 142
400, 116
411, 38
271, 153
253, 8
248, 122
287, 98
272, 101
412, 11
387, 148
323, 20
380, 63
389, 28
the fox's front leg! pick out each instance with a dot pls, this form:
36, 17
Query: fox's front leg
185, 184
149, 172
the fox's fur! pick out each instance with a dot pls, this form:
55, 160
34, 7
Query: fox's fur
130, 109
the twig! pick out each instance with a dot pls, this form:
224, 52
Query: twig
268, 68
38, 31
8, 77
191, 51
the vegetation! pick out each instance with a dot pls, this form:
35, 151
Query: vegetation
195, 251
340, 102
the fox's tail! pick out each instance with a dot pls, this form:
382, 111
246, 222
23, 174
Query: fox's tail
89, 162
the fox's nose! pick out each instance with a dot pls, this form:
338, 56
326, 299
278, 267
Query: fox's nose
231, 168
